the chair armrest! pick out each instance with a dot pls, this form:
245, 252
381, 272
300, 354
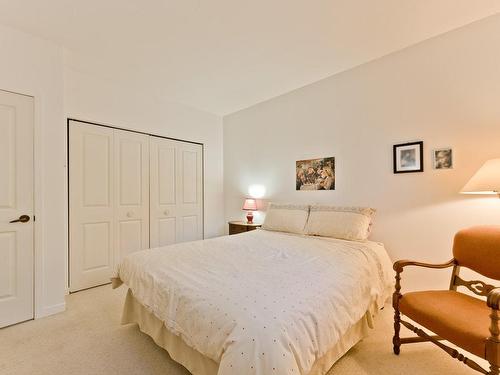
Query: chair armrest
400, 264
493, 300
398, 267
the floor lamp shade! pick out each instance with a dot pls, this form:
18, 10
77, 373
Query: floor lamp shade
486, 180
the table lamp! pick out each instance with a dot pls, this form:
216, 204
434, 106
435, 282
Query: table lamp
486, 180
250, 205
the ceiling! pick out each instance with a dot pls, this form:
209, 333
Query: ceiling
224, 55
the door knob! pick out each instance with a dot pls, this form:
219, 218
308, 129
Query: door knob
130, 214
22, 219
166, 212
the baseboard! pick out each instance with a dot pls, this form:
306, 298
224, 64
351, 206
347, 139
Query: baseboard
51, 310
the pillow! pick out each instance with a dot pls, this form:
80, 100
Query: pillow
286, 217
347, 223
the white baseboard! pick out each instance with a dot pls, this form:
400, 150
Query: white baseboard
51, 310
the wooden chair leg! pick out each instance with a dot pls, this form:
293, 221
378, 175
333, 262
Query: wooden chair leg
396, 340
493, 343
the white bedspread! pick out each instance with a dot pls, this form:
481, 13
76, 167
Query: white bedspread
260, 302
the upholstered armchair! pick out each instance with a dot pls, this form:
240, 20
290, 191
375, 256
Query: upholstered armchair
468, 322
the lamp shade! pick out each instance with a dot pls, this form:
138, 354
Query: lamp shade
250, 204
486, 180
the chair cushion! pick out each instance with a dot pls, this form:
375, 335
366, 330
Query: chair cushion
478, 248
456, 317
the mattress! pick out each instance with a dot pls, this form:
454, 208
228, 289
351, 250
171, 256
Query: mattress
260, 302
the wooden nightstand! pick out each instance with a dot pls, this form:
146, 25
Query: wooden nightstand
236, 227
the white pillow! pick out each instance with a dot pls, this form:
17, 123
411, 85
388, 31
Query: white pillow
286, 217
347, 223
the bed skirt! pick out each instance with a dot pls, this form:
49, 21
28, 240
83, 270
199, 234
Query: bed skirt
198, 364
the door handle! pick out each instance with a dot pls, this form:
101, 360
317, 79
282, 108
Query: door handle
22, 219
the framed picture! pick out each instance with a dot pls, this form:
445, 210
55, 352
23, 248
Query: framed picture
315, 174
408, 157
442, 158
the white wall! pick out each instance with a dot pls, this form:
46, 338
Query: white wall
444, 91
34, 67
107, 102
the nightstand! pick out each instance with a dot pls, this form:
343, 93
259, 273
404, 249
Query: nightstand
236, 227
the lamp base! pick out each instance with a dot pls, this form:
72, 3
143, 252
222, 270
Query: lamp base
249, 217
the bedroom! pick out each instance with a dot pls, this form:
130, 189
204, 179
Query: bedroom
258, 87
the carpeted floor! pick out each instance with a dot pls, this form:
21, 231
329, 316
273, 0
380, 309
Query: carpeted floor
88, 339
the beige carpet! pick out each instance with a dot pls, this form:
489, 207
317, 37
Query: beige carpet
88, 339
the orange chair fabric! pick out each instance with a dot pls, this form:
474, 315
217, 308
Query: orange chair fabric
456, 317
478, 248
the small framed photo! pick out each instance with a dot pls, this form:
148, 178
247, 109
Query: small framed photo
442, 158
408, 157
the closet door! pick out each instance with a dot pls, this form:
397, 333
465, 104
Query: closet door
176, 192
131, 193
190, 192
91, 191
109, 200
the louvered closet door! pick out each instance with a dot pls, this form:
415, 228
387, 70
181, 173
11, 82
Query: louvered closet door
176, 192
131, 193
91, 190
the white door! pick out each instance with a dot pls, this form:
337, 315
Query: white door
176, 191
91, 213
16, 200
190, 191
131, 193
109, 200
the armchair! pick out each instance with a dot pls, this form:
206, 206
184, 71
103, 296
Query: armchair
468, 322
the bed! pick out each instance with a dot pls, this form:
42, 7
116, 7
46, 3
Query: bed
260, 302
